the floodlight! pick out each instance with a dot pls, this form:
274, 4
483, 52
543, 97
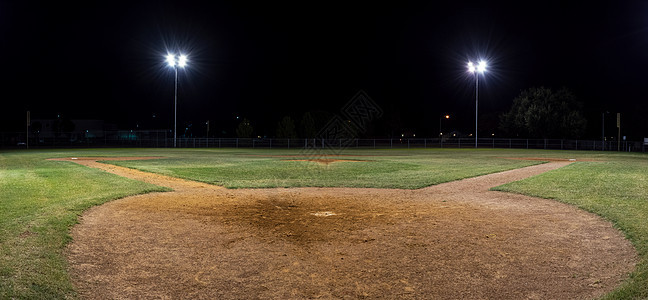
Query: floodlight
170, 58
471, 67
482, 67
175, 62
182, 61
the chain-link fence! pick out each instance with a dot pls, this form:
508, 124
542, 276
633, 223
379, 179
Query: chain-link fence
164, 139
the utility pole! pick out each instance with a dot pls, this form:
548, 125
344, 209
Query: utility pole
603, 133
619, 134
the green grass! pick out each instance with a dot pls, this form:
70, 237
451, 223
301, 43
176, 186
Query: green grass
40, 200
617, 190
407, 169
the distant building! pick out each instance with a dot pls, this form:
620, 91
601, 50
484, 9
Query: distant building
71, 130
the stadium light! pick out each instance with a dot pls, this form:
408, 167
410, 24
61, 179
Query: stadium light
175, 62
480, 68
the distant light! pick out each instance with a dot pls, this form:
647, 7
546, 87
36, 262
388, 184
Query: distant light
402, 134
447, 116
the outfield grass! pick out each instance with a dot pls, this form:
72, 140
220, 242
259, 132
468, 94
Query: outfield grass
40, 200
616, 190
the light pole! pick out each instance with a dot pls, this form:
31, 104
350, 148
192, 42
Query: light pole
603, 130
480, 68
175, 62
441, 119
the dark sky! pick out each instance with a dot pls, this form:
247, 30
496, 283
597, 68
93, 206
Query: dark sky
105, 59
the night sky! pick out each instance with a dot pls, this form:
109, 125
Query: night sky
105, 60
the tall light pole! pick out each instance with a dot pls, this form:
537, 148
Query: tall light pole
175, 62
480, 68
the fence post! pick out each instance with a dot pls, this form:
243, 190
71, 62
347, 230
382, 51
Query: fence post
374, 143
576, 144
270, 143
236, 142
408, 144
340, 144
527, 143
219, 142
288, 143
493, 143
424, 143
252, 143
391, 143
561, 144
545, 144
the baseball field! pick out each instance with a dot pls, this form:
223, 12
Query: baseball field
251, 223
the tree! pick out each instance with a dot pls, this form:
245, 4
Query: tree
542, 112
244, 129
307, 126
286, 128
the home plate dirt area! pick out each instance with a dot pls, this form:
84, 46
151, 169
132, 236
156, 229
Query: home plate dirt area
449, 241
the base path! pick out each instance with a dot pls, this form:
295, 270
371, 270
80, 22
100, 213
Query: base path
449, 241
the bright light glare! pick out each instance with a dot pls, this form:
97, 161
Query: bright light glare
471, 67
447, 116
182, 62
170, 58
482, 67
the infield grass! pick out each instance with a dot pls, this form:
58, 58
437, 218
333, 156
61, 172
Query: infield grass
406, 169
40, 200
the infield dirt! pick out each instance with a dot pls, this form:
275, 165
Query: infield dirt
449, 241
